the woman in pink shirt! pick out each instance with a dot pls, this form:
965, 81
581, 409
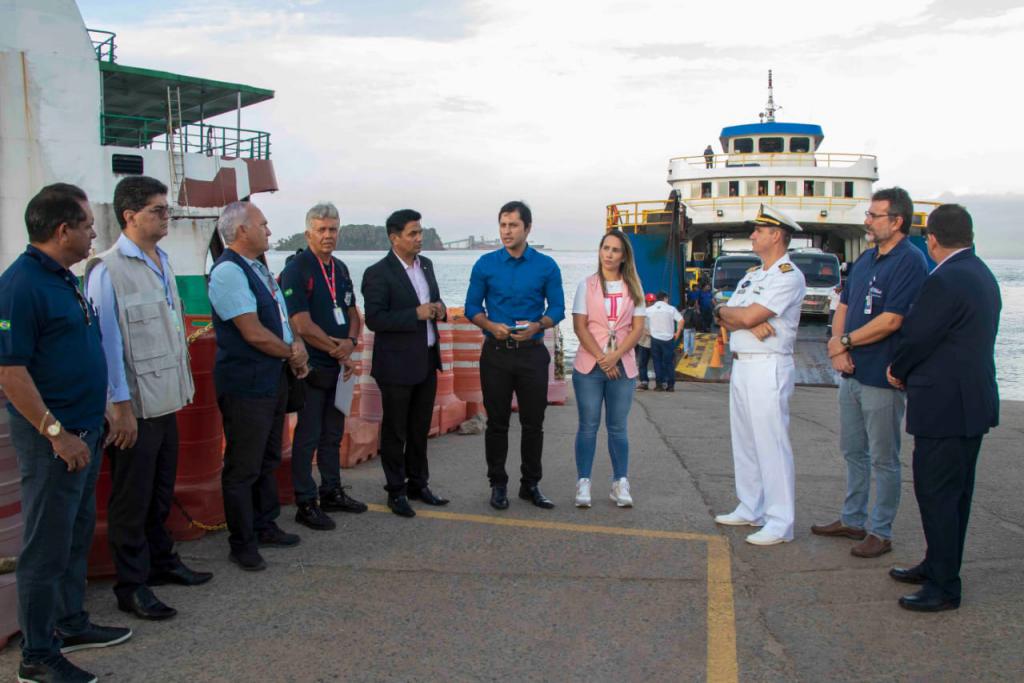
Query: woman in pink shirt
608, 317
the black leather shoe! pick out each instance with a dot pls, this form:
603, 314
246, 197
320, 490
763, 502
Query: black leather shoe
533, 494
928, 601
337, 500
276, 536
249, 561
310, 515
143, 604
911, 575
427, 496
180, 575
499, 497
400, 506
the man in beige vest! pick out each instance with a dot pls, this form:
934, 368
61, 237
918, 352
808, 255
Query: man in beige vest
140, 314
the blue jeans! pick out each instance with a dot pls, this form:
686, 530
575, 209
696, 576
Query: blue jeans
870, 419
689, 339
643, 357
664, 354
59, 512
593, 389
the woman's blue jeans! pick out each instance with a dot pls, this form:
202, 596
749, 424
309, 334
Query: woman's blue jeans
593, 389
689, 339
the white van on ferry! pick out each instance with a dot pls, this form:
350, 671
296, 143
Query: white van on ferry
820, 269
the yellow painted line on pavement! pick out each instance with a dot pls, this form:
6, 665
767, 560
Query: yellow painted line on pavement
722, 665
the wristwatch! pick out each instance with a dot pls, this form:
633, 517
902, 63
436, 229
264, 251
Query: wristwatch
355, 341
846, 341
54, 429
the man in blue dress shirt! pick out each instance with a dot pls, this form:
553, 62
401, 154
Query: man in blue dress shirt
515, 293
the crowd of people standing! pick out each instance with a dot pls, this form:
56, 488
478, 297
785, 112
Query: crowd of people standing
106, 369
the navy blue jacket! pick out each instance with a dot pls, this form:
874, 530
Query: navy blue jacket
400, 353
946, 353
240, 368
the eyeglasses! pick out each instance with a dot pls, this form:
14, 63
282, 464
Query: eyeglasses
160, 210
876, 216
82, 303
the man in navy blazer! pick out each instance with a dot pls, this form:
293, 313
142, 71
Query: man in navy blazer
945, 360
402, 305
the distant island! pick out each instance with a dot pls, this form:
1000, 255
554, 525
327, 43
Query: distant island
361, 238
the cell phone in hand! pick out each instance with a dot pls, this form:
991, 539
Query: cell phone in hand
519, 327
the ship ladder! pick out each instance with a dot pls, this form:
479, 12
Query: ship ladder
175, 145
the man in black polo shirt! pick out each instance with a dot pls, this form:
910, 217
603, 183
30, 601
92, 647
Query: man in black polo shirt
54, 373
322, 310
882, 285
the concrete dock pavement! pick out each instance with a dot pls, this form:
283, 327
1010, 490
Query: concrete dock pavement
654, 593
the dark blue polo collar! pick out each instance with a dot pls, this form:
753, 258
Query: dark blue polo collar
46, 260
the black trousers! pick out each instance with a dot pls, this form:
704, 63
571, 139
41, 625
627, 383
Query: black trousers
319, 430
252, 432
403, 439
524, 371
944, 484
142, 487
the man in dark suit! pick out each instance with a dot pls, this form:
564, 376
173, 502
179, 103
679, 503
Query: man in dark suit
945, 361
403, 305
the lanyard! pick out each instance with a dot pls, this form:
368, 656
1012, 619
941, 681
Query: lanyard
331, 286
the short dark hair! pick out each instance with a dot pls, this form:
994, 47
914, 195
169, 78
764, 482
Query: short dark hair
900, 204
399, 219
51, 207
521, 208
952, 226
661, 296
133, 193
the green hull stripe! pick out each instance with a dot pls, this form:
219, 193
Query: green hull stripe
192, 290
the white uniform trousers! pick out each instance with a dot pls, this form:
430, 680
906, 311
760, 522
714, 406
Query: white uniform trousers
759, 393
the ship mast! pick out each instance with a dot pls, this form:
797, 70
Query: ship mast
768, 115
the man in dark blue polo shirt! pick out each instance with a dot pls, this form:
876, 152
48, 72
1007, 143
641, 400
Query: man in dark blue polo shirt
507, 292
322, 310
54, 374
880, 288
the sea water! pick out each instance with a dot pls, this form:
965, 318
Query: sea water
452, 269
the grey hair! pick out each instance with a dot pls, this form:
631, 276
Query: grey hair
234, 215
322, 211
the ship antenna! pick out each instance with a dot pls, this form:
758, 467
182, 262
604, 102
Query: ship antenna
769, 109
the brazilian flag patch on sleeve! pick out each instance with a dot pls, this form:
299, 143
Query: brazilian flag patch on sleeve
5, 325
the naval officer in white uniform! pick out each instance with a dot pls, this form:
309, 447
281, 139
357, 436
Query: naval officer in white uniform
763, 315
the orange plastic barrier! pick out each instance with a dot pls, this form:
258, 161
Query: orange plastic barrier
101, 562
466, 342
558, 389
449, 409
10, 524
362, 426
285, 487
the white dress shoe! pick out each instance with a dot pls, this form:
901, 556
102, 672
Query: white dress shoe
583, 493
762, 537
732, 519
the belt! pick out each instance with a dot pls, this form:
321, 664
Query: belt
739, 355
512, 344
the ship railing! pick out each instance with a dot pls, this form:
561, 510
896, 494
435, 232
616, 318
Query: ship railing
639, 217
784, 202
194, 138
771, 159
104, 45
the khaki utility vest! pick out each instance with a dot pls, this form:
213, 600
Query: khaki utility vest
156, 360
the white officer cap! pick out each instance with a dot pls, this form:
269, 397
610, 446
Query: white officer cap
770, 216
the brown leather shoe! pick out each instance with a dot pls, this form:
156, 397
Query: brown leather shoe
837, 528
872, 546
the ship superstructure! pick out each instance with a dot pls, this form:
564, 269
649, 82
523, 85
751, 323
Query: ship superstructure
71, 111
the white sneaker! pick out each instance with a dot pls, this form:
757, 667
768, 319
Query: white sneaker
732, 519
762, 537
620, 493
583, 493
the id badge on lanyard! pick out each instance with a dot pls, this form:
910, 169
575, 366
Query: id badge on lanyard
339, 315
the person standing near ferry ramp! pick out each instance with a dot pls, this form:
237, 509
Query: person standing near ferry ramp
945, 360
133, 287
763, 314
880, 289
643, 347
403, 307
254, 344
666, 327
322, 311
608, 318
514, 294
54, 374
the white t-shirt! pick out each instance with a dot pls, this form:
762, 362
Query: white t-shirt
663, 319
614, 297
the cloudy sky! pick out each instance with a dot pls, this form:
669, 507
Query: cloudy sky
452, 107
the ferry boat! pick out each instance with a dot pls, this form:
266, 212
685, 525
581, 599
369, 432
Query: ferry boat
715, 193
